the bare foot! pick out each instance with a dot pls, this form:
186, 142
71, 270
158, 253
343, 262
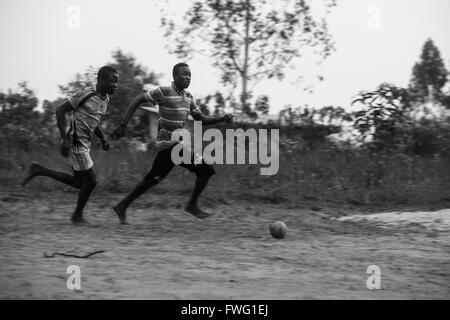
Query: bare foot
121, 213
33, 171
196, 211
78, 220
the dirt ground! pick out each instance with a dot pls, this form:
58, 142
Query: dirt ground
167, 254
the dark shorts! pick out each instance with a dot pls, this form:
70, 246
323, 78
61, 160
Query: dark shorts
163, 164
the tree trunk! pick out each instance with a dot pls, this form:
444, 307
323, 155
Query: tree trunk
244, 96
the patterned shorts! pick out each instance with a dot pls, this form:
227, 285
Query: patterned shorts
80, 158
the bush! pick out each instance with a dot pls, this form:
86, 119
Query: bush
327, 173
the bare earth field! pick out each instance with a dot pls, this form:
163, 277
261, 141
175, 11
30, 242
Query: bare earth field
167, 254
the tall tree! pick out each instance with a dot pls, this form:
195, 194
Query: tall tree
429, 75
132, 79
250, 40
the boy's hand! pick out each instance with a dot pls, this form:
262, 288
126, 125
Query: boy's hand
228, 118
64, 148
196, 114
105, 145
120, 131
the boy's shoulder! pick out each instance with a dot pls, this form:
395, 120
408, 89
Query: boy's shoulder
81, 96
168, 91
83, 92
189, 94
164, 91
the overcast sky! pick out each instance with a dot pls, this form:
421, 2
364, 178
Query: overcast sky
39, 47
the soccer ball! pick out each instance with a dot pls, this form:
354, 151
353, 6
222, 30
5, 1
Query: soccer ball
278, 229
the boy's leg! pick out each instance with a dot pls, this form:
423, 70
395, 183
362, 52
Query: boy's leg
36, 169
89, 182
192, 207
162, 165
139, 189
203, 172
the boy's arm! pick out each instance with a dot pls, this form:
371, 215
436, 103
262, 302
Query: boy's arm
99, 133
207, 120
61, 118
140, 99
61, 122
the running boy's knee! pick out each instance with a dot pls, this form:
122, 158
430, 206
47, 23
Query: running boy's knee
91, 183
78, 183
152, 180
206, 171
90, 180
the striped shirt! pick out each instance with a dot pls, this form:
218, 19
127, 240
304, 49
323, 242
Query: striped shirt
86, 116
174, 107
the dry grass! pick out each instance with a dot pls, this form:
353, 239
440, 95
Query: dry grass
324, 174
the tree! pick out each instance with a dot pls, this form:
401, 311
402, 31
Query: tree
262, 104
428, 74
80, 82
297, 116
385, 110
18, 108
132, 79
334, 115
234, 105
19, 119
250, 40
203, 105
48, 126
286, 116
220, 104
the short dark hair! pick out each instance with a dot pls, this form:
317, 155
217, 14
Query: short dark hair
177, 67
104, 72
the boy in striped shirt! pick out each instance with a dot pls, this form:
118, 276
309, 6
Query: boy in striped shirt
175, 104
86, 108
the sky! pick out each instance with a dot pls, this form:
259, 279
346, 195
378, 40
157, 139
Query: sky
376, 40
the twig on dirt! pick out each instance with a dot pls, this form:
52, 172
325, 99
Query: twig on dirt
52, 255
